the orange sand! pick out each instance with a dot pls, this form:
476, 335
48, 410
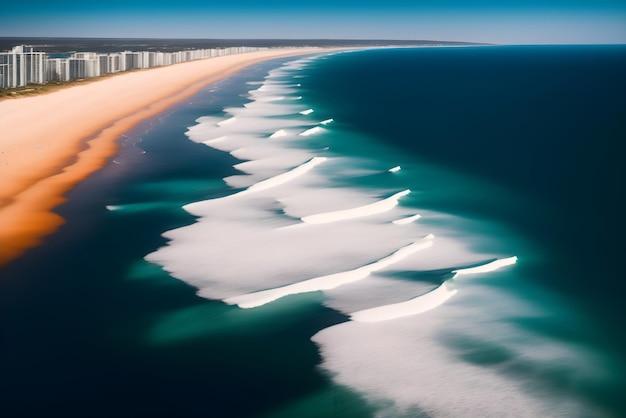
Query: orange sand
49, 143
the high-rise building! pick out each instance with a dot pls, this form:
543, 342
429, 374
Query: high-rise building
21, 66
58, 69
129, 60
84, 65
34, 63
4, 71
114, 62
14, 76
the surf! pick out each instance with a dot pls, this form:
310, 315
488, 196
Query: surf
315, 209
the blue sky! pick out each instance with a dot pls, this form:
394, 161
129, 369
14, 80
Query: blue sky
504, 21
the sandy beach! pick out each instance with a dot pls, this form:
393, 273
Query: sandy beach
49, 143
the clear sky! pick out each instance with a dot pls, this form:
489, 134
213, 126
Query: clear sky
503, 21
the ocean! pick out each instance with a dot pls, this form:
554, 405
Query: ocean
397, 232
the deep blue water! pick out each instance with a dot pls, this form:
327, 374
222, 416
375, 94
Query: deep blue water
546, 123
507, 151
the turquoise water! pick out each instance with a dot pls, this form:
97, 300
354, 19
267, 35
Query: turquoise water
256, 251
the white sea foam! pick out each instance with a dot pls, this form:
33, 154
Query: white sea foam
366, 210
327, 282
414, 306
311, 131
214, 140
258, 246
269, 98
288, 176
227, 121
485, 268
432, 366
407, 220
427, 301
385, 354
266, 184
278, 133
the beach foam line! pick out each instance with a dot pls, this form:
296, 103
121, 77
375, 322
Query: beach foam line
285, 177
407, 220
311, 131
214, 140
331, 281
269, 98
227, 121
429, 300
485, 268
195, 207
414, 306
358, 212
278, 134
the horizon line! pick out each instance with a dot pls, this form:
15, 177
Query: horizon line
306, 39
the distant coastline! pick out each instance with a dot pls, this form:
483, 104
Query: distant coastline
31, 66
60, 45
27, 65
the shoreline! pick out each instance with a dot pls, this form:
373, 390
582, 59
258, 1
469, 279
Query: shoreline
67, 146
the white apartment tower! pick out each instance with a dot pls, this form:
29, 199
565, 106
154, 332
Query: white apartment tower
22, 66
58, 69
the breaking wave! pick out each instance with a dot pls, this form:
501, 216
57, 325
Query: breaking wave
291, 225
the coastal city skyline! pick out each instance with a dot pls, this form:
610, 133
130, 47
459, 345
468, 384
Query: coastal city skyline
44, 60
522, 22
25, 64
